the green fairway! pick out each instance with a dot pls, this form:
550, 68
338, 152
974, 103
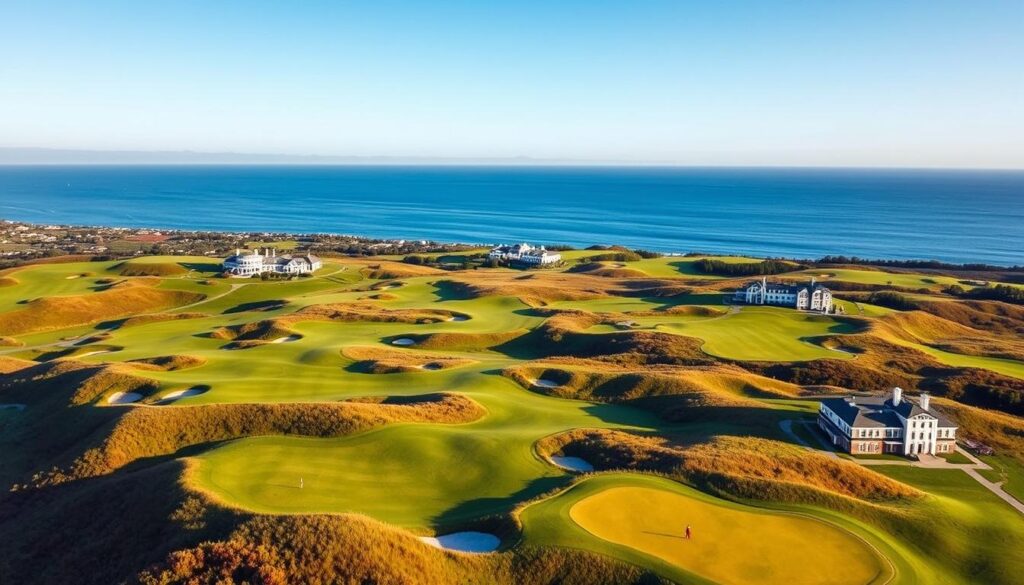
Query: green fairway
640, 519
763, 334
433, 477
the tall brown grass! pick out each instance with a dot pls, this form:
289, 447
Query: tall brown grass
50, 313
151, 432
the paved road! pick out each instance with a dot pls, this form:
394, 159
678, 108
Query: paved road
926, 462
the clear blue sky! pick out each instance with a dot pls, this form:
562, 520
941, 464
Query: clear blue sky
904, 83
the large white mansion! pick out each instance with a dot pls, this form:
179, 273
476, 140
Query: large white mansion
249, 263
813, 297
525, 253
886, 425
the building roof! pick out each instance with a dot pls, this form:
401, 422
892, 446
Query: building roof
879, 412
777, 287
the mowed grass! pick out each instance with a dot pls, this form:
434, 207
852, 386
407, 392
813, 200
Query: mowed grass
440, 476
974, 522
414, 475
642, 519
763, 334
868, 275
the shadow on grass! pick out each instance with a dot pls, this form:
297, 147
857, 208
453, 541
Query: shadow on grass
478, 508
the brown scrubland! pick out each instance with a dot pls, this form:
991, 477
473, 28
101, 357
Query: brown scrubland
50, 313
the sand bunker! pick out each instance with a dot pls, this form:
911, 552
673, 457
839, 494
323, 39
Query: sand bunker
469, 542
403, 341
546, 383
89, 353
572, 463
287, 339
178, 394
124, 398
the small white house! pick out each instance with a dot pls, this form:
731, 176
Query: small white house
252, 262
525, 253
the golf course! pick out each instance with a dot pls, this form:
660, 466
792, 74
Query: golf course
490, 424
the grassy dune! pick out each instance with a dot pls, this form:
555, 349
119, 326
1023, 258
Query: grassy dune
687, 388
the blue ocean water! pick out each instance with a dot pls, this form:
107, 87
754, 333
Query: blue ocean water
953, 216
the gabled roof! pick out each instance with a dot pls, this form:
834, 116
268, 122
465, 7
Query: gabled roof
879, 412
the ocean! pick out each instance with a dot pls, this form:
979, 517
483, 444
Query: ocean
952, 216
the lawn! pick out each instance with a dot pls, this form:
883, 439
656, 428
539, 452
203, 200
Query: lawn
437, 477
763, 334
641, 519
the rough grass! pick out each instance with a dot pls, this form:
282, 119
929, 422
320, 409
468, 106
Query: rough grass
743, 467
50, 313
376, 360
696, 386
168, 363
162, 269
150, 432
350, 549
390, 270
154, 318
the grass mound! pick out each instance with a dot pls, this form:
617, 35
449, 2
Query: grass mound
150, 318
50, 313
375, 360
715, 385
7, 281
12, 364
355, 549
63, 382
135, 268
745, 467
367, 312
253, 334
1003, 432
149, 432
533, 289
392, 270
599, 269
168, 363
9, 342
464, 341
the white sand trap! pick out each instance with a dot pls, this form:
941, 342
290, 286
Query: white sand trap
124, 398
72, 277
470, 542
546, 383
89, 353
403, 341
287, 339
458, 318
572, 463
194, 391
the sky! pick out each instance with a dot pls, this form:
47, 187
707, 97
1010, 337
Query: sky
793, 83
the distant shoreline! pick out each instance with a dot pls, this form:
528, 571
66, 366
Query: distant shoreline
955, 217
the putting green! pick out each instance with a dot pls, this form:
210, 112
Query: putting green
729, 544
762, 334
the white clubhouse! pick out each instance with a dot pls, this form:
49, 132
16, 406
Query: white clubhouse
249, 263
524, 253
809, 297
886, 425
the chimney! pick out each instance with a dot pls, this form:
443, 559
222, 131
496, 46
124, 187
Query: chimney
924, 400
897, 396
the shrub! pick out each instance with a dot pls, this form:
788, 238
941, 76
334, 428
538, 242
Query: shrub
721, 268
